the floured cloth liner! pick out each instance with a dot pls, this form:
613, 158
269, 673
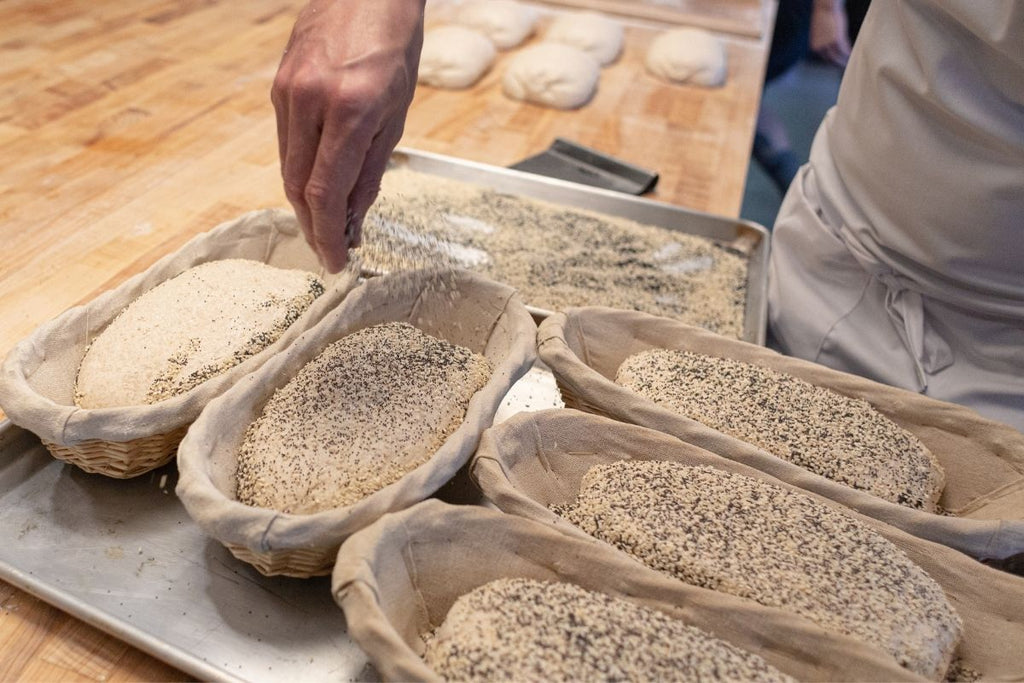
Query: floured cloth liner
37, 382
397, 579
460, 307
983, 460
535, 460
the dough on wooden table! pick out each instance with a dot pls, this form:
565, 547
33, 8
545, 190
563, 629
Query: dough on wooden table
190, 328
688, 55
594, 33
454, 57
553, 75
506, 22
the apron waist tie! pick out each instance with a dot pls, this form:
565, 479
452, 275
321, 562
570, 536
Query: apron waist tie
905, 307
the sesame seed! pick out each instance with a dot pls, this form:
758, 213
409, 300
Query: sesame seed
555, 256
517, 629
371, 407
780, 548
841, 438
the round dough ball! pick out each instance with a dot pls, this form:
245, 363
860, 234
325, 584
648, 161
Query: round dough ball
595, 34
454, 57
506, 22
552, 74
688, 55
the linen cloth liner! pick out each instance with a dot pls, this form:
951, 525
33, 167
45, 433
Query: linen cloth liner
537, 459
983, 459
37, 379
397, 579
464, 308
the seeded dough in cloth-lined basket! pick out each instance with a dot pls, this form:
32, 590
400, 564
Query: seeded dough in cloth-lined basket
457, 306
37, 381
983, 497
537, 460
397, 579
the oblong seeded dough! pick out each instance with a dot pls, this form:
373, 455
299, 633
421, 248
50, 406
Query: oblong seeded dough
523, 629
599, 36
778, 547
688, 55
190, 328
553, 75
841, 438
454, 57
372, 406
506, 22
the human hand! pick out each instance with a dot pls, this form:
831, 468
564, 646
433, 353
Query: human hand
829, 39
341, 94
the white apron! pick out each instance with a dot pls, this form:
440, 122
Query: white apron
898, 253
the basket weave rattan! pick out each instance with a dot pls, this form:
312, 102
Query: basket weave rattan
121, 459
37, 379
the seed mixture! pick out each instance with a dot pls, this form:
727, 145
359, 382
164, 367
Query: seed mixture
557, 257
191, 328
527, 630
780, 548
371, 407
843, 439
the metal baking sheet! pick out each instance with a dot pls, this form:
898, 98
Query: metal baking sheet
124, 556
746, 236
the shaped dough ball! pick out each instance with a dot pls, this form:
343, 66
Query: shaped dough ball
506, 22
688, 55
454, 57
595, 34
552, 74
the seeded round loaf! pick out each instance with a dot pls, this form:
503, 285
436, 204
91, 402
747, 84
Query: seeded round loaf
523, 629
190, 328
778, 547
371, 407
840, 438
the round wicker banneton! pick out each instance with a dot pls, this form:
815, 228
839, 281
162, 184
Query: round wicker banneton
121, 460
37, 378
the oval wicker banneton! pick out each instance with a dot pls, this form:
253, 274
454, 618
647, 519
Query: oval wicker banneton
121, 460
397, 579
460, 307
298, 564
534, 462
983, 499
37, 379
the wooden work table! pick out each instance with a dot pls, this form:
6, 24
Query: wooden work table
127, 128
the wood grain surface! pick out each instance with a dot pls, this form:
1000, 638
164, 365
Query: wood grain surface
698, 139
742, 17
128, 127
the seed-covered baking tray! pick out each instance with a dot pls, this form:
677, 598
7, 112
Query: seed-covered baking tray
744, 237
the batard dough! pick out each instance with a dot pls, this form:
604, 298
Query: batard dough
594, 33
553, 75
505, 22
454, 57
688, 55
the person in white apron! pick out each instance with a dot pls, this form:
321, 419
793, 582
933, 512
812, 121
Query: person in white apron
898, 252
